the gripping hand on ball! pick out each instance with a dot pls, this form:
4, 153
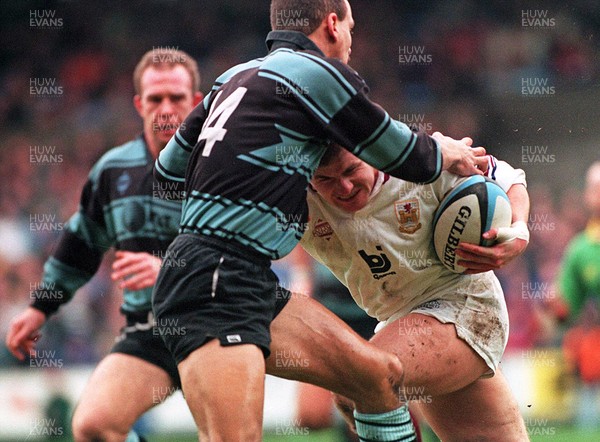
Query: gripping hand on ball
510, 243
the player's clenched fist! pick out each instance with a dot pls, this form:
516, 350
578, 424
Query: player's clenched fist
23, 332
459, 157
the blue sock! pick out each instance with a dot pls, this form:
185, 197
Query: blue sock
394, 425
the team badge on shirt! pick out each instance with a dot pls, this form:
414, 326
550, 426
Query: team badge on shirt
322, 229
408, 214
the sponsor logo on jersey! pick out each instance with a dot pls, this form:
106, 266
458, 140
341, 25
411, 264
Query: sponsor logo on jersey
123, 182
379, 263
322, 229
408, 213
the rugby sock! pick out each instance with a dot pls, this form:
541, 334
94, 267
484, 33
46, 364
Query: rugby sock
395, 425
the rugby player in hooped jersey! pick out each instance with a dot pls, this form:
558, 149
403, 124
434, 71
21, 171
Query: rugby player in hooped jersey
119, 206
448, 330
245, 207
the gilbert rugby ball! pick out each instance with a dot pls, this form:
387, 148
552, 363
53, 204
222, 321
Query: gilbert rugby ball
470, 209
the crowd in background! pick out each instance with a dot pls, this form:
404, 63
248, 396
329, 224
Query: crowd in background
474, 53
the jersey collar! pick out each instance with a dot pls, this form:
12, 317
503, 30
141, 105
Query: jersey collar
379, 181
291, 39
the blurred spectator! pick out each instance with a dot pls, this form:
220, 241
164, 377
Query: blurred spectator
579, 286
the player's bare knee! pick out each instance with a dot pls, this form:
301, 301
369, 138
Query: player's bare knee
93, 427
391, 372
87, 430
382, 383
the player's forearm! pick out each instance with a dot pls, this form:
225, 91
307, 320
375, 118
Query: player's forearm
59, 283
397, 150
49, 295
423, 164
72, 265
519, 203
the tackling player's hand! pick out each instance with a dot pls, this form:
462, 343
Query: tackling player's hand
24, 331
511, 242
459, 157
135, 270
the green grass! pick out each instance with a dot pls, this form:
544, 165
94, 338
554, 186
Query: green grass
312, 436
565, 434
550, 433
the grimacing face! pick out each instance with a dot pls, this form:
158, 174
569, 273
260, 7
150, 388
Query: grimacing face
346, 183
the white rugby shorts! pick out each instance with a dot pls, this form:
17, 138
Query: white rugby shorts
478, 311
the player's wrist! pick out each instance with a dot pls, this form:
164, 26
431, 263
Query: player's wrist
517, 230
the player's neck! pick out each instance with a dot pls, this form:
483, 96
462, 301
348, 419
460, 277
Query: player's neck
154, 148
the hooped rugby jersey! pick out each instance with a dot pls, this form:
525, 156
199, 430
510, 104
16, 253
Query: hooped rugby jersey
384, 252
121, 206
252, 146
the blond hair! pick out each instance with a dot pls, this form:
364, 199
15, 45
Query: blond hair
166, 58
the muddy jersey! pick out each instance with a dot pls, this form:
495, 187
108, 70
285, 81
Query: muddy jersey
384, 252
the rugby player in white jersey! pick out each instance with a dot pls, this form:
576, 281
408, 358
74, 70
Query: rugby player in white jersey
449, 330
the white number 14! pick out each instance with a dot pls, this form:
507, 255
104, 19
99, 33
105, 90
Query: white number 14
221, 113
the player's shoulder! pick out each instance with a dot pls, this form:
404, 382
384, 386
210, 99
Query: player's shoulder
131, 154
311, 66
231, 72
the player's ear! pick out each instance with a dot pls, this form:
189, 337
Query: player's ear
137, 103
331, 22
198, 96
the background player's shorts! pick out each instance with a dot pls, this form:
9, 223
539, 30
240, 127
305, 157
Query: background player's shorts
479, 314
139, 338
208, 288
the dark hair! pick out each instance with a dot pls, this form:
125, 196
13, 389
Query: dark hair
304, 15
331, 154
166, 58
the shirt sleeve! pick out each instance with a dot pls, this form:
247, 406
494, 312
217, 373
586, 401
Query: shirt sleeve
79, 252
504, 174
386, 144
171, 164
337, 97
